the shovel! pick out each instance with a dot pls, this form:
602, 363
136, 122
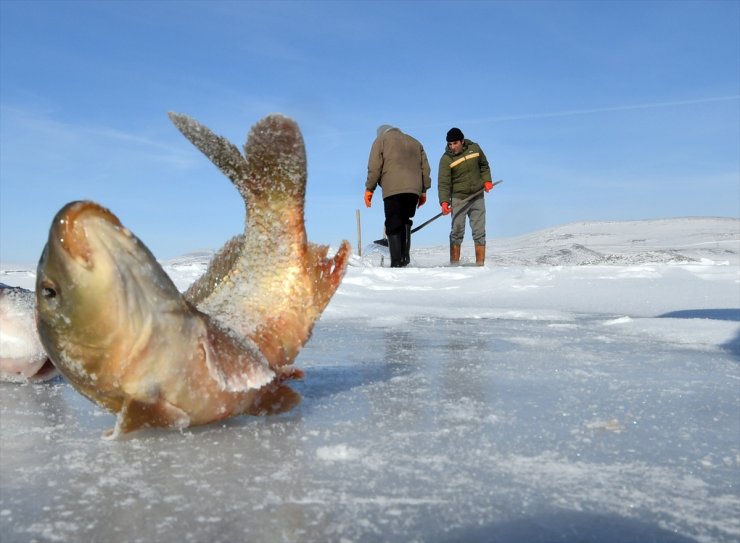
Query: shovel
461, 207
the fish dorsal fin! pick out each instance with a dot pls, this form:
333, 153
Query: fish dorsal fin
236, 364
224, 154
327, 272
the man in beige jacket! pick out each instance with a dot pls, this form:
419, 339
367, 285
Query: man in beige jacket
398, 164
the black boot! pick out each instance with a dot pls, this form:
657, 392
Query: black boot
395, 247
407, 246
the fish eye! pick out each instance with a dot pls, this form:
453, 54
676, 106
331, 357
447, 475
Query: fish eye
48, 290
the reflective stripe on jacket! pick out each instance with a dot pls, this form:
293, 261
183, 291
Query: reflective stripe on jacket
461, 175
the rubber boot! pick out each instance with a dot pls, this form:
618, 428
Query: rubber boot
480, 255
454, 254
407, 246
395, 247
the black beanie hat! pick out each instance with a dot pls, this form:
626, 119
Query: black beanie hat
455, 134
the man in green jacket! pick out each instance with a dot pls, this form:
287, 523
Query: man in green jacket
399, 165
463, 171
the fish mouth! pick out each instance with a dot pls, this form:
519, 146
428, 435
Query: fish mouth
69, 228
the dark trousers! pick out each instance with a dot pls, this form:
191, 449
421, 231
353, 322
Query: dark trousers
399, 209
398, 212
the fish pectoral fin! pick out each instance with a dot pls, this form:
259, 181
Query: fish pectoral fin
288, 372
136, 414
273, 400
236, 364
224, 154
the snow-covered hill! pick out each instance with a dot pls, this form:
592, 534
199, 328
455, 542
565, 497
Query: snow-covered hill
657, 241
682, 240
708, 240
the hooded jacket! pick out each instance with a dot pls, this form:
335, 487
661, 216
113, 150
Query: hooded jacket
464, 174
398, 164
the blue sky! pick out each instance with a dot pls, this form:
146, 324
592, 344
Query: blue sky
587, 110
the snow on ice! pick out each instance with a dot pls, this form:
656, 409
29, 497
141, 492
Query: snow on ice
582, 386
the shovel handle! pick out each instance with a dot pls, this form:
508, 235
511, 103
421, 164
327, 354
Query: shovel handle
462, 207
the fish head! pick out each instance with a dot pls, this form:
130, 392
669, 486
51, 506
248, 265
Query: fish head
96, 286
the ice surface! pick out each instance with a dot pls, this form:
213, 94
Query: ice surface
515, 402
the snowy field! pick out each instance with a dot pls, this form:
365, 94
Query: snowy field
583, 386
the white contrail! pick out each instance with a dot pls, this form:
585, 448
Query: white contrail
571, 112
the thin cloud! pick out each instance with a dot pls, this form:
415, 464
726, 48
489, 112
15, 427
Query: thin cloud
608, 109
44, 131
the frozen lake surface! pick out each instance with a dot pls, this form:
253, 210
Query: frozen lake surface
516, 402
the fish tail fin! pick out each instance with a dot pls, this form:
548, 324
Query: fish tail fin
224, 154
271, 175
275, 163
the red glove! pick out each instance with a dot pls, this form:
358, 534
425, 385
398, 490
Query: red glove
446, 209
368, 197
422, 199
487, 186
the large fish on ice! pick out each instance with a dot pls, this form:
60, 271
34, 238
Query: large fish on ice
118, 329
22, 357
